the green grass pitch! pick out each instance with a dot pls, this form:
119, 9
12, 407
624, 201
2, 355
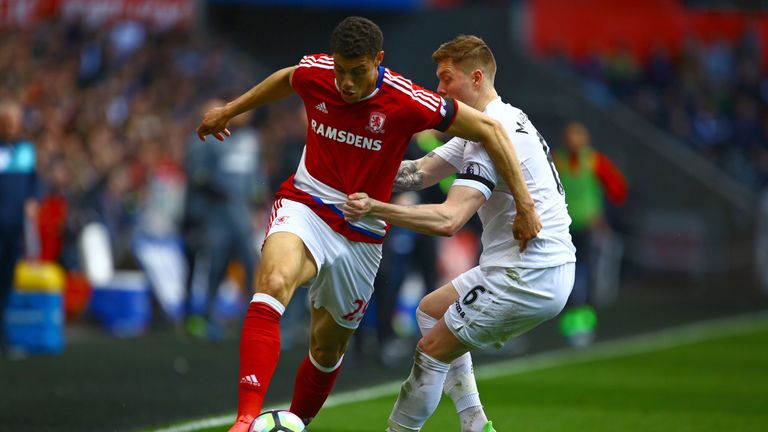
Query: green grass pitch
717, 384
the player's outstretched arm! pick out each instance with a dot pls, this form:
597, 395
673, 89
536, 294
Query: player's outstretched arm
476, 126
421, 173
435, 219
274, 87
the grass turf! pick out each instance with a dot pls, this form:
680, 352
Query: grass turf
715, 385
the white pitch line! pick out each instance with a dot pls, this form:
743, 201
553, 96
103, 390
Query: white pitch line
649, 342
195, 425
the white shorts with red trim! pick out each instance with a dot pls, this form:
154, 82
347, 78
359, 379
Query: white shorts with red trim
345, 269
497, 303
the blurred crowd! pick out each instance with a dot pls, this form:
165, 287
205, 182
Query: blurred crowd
111, 109
713, 95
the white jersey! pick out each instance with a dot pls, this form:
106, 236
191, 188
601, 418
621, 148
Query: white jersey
553, 246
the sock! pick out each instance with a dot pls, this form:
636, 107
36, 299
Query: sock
313, 385
460, 383
419, 394
259, 352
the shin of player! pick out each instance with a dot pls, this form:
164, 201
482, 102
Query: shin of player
420, 393
460, 383
430, 376
317, 373
285, 265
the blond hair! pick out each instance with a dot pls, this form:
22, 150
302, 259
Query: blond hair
469, 53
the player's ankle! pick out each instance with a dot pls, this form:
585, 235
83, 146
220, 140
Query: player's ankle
393, 426
473, 419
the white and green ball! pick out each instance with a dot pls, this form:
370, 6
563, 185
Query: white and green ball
277, 421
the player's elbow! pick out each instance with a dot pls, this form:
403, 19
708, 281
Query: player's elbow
449, 226
443, 231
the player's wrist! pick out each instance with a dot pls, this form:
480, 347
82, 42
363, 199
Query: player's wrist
525, 207
229, 110
375, 207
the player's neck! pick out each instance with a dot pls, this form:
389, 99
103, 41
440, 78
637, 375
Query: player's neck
369, 91
484, 98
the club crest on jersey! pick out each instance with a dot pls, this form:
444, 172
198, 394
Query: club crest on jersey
472, 168
376, 122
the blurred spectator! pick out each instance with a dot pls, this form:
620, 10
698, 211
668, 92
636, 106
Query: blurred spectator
156, 238
52, 215
224, 181
622, 71
102, 101
589, 179
284, 135
405, 252
18, 199
713, 96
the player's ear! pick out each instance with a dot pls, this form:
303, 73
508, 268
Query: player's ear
477, 76
379, 58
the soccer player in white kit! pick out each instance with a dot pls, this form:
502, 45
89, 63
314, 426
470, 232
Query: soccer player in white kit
517, 285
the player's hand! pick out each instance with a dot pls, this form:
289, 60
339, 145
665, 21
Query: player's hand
214, 123
358, 205
525, 227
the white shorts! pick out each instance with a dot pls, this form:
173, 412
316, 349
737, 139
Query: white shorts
345, 269
496, 303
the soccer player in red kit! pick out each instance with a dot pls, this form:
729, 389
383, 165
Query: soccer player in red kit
361, 117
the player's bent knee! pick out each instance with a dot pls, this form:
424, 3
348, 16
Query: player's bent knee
275, 285
429, 347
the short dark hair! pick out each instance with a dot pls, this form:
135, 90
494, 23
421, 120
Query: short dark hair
357, 36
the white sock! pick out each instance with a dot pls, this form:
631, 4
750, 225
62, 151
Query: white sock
419, 395
460, 383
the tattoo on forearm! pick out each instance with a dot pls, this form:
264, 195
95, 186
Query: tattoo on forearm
408, 177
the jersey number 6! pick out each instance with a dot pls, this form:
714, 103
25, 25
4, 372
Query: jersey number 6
472, 295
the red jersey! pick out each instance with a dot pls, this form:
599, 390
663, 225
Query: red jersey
357, 147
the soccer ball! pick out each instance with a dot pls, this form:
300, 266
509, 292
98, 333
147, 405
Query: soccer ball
277, 421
